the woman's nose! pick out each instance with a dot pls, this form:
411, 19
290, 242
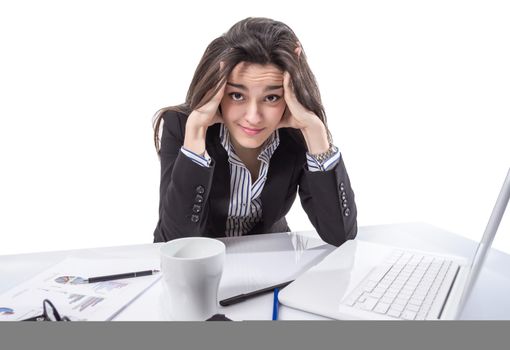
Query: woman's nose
253, 114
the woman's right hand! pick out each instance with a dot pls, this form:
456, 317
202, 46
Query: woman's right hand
209, 113
200, 119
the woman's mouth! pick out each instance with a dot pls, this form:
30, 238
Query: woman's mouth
250, 131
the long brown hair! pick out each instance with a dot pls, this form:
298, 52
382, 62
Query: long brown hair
254, 40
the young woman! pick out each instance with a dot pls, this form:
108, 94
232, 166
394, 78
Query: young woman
251, 133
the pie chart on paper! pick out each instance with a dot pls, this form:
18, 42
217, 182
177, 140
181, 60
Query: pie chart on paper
6, 311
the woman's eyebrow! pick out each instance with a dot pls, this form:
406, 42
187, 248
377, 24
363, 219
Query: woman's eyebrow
268, 88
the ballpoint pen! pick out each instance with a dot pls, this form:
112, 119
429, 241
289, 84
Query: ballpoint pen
276, 304
242, 297
119, 276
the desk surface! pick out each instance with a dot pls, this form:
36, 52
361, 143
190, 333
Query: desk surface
258, 261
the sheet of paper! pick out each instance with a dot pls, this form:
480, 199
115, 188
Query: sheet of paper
88, 302
253, 262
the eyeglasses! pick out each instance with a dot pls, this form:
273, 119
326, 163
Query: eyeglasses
50, 313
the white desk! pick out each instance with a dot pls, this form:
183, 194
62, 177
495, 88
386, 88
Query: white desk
254, 262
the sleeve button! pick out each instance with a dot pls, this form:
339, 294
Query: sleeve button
194, 218
200, 189
347, 212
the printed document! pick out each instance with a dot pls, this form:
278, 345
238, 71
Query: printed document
99, 301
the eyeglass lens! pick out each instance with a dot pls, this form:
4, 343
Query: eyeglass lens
50, 311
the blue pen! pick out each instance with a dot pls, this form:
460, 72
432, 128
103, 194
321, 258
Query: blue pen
275, 304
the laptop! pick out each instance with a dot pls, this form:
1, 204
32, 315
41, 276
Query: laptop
369, 281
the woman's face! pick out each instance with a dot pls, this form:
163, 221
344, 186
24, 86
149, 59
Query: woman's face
253, 104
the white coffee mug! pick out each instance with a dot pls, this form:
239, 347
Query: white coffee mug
192, 269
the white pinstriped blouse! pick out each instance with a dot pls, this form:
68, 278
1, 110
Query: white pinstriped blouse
245, 209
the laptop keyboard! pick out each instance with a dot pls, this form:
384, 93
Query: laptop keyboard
406, 286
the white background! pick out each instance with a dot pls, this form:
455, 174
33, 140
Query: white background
417, 94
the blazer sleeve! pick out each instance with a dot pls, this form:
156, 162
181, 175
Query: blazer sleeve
328, 199
184, 187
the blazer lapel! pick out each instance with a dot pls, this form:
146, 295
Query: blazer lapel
219, 196
277, 184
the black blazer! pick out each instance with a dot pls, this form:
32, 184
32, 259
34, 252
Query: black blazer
194, 200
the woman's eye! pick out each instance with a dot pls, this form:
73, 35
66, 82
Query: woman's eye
236, 96
273, 98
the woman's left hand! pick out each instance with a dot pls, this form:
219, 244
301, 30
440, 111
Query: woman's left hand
296, 115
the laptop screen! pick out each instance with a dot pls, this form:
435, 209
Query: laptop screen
486, 242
